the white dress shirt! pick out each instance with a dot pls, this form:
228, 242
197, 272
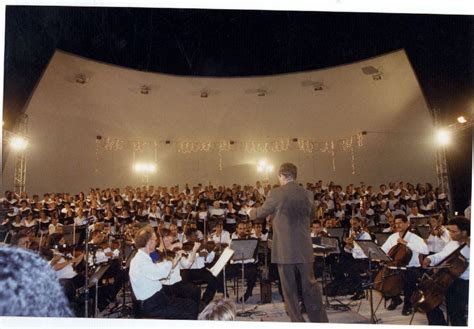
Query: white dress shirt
145, 275
357, 252
447, 250
435, 243
223, 238
416, 244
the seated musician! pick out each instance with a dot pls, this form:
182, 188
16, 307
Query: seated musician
457, 296
439, 235
413, 271
174, 285
198, 271
391, 223
353, 259
64, 267
220, 236
145, 279
257, 232
317, 230
250, 265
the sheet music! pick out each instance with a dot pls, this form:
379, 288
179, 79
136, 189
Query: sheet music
222, 261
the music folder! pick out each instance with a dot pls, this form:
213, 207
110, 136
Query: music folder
226, 255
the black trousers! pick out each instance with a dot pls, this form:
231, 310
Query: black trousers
411, 277
202, 274
162, 306
183, 289
457, 298
250, 275
311, 290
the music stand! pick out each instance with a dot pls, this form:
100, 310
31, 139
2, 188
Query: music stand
418, 221
424, 231
327, 246
381, 237
244, 249
373, 253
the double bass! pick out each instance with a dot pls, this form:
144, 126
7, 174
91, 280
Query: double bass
432, 288
388, 281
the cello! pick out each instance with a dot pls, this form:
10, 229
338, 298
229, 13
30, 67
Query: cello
388, 281
432, 288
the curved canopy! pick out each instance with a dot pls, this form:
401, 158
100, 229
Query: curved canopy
135, 112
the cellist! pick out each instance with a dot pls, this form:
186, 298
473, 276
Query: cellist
413, 271
457, 295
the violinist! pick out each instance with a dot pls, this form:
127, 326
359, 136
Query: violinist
439, 235
317, 230
145, 278
413, 271
220, 236
353, 259
64, 267
173, 284
457, 295
198, 271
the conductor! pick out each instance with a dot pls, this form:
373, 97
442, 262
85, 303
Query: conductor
292, 209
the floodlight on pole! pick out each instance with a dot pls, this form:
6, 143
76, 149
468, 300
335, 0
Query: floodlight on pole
443, 137
18, 143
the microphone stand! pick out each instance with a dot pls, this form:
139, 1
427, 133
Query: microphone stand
86, 281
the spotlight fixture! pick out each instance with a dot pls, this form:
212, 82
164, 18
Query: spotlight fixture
145, 90
167, 142
443, 137
81, 78
98, 137
204, 94
461, 119
231, 142
18, 143
294, 140
376, 74
264, 167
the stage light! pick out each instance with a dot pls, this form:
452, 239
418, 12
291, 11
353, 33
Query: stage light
144, 168
264, 167
18, 143
462, 119
443, 137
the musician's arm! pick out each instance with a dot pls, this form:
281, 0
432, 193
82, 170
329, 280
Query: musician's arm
419, 246
438, 257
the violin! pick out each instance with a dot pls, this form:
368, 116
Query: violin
388, 281
355, 235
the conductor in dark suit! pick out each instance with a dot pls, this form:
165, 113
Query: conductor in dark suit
292, 250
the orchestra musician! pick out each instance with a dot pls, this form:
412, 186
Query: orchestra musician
174, 285
64, 266
250, 265
197, 270
457, 296
146, 276
220, 236
353, 259
317, 230
438, 237
413, 271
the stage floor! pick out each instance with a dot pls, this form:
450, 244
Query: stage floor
357, 311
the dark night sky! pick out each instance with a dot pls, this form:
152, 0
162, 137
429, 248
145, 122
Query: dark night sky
239, 43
